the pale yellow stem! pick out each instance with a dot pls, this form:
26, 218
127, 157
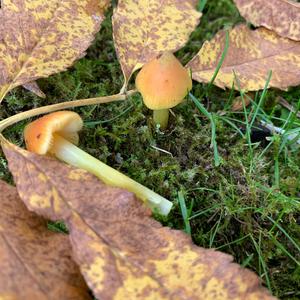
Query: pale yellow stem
161, 117
76, 157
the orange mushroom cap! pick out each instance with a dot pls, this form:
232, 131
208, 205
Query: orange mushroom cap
163, 82
39, 134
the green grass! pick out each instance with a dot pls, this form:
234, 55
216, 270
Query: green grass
248, 206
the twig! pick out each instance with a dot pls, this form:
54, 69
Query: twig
288, 106
161, 150
280, 130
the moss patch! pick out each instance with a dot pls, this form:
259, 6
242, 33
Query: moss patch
236, 207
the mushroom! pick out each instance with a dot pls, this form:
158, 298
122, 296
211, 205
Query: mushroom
57, 134
163, 83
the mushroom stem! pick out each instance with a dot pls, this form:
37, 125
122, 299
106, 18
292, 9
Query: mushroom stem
69, 153
161, 117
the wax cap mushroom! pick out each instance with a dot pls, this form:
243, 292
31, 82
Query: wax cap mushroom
163, 82
56, 133
39, 134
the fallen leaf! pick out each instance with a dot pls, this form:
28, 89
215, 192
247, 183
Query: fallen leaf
251, 55
39, 38
122, 252
239, 102
35, 263
144, 29
34, 88
281, 16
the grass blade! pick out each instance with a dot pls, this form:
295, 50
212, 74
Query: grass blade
184, 213
285, 233
262, 98
201, 5
220, 63
262, 262
211, 117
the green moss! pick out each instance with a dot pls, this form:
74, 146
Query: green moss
236, 207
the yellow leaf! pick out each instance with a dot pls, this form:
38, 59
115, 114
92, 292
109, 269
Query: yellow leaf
281, 16
252, 54
39, 38
122, 252
144, 29
35, 263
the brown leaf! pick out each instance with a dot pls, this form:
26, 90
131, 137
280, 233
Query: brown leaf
34, 88
122, 252
144, 29
239, 102
251, 55
35, 263
281, 16
39, 38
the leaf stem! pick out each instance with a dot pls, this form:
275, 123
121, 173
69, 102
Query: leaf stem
60, 106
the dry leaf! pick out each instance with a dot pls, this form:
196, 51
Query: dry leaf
281, 16
251, 55
39, 38
35, 263
122, 252
239, 102
34, 88
144, 29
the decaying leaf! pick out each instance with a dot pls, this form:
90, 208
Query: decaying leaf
252, 54
240, 102
34, 88
281, 16
144, 29
34, 262
122, 252
39, 38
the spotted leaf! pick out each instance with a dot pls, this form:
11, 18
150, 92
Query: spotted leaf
143, 29
281, 16
251, 55
122, 252
34, 88
39, 38
35, 263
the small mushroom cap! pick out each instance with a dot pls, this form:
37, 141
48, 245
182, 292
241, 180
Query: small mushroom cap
39, 134
163, 82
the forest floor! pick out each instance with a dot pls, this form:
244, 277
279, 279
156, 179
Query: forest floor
249, 206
